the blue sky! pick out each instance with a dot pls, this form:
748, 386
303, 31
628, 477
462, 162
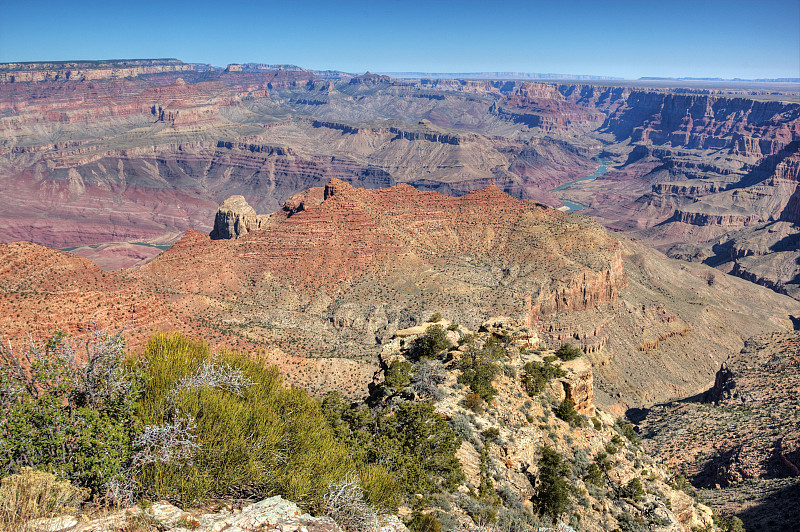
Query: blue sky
702, 38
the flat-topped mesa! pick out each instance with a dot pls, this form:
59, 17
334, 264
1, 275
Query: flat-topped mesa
235, 217
87, 70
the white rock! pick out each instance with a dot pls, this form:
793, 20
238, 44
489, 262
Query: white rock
53, 524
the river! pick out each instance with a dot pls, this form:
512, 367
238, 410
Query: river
571, 206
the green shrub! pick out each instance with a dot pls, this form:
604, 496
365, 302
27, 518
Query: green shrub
55, 412
567, 352
381, 487
629, 431
594, 475
537, 375
398, 376
410, 443
602, 461
633, 490
479, 368
436, 317
490, 435
729, 524
552, 490
427, 447
566, 411
263, 440
424, 523
596, 423
432, 343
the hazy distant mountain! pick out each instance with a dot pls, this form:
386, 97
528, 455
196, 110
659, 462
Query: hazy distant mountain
760, 80
492, 75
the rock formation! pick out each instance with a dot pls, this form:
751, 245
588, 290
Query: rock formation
273, 513
339, 269
502, 440
742, 435
235, 218
87, 70
145, 149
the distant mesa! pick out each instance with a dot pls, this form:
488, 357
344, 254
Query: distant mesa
496, 75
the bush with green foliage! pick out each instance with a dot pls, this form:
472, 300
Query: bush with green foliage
728, 524
398, 376
568, 352
633, 490
417, 445
537, 375
421, 522
603, 462
479, 367
432, 343
566, 411
260, 440
59, 406
427, 445
436, 317
490, 435
552, 490
594, 475
629, 431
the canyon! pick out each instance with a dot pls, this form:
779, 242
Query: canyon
320, 283
316, 217
125, 153
118, 160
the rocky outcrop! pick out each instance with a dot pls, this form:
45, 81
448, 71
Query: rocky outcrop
235, 217
273, 513
740, 437
724, 386
370, 79
729, 221
579, 385
504, 438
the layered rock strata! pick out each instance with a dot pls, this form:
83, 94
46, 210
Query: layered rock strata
338, 269
235, 217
